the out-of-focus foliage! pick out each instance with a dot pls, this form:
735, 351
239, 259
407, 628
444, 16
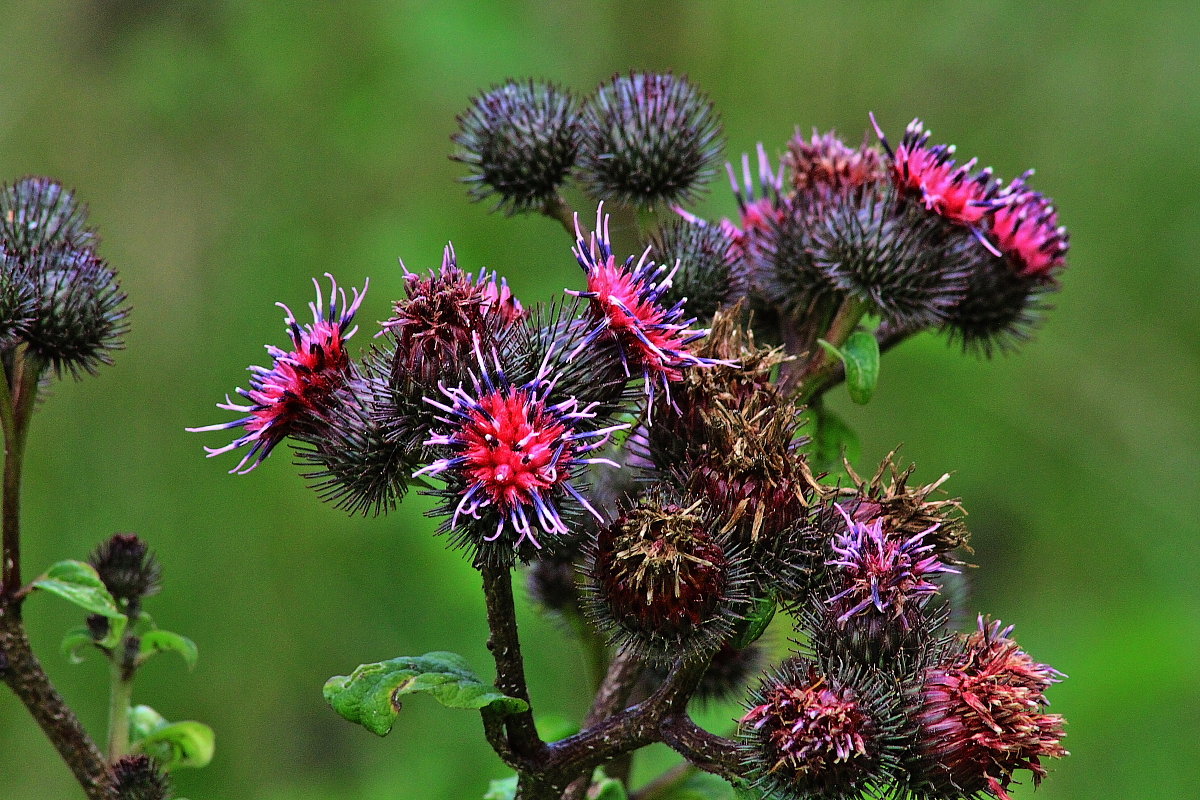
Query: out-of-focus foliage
230, 151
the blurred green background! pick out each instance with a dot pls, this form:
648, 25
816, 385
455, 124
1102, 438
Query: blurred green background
231, 151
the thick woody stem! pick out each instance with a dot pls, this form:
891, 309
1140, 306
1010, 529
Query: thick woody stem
20, 669
523, 741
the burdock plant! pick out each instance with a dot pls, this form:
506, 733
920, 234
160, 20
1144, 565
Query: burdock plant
653, 450
62, 312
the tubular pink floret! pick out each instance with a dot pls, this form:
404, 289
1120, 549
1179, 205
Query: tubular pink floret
626, 301
1026, 230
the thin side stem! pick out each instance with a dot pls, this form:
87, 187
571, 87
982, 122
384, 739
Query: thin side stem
558, 209
823, 364
665, 784
22, 396
120, 695
709, 752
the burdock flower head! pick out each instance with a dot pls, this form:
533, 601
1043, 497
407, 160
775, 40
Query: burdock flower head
930, 174
626, 306
1027, 232
512, 455
294, 394
880, 582
434, 327
663, 582
982, 718
648, 139
127, 567
817, 735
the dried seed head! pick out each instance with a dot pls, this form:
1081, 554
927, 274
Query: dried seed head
817, 733
824, 165
663, 583
982, 718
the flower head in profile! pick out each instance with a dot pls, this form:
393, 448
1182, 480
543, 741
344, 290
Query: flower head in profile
930, 173
294, 394
650, 337
1027, 232
824, 164
513, 454
982, 717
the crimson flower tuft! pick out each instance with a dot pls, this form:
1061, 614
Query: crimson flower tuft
812, 736
626, 302
293, 395
881, 571
513, 453
930, 173
1026, 230
982, 718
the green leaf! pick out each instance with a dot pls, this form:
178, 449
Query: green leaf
833, 439
606, 788
159, 641
756, 622
173, 744
180, 744
701, 786
370, 695
144, 720
860, 354
502, 789
78, 583
74, 642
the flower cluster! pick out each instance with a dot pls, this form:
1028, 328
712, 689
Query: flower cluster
670, 486
60, 303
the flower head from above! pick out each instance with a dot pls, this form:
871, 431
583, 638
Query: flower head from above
881, 571
930, 173
626, 302
513, 453
1026, 230
982, 716
294, 393
815, 736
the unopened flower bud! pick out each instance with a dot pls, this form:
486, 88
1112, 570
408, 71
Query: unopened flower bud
648, 139
520, 141
127, 567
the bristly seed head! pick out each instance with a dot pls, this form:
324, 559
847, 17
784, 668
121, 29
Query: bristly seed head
520, 141
293, 395
648, 139
982, 718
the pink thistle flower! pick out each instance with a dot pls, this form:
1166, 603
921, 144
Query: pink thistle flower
931, 174
982, 718
814, 735
294, 393
882, 571
761, 208
513, 452
1026, 230
625, 300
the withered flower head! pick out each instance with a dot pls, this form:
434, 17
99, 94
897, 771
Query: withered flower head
982, 718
